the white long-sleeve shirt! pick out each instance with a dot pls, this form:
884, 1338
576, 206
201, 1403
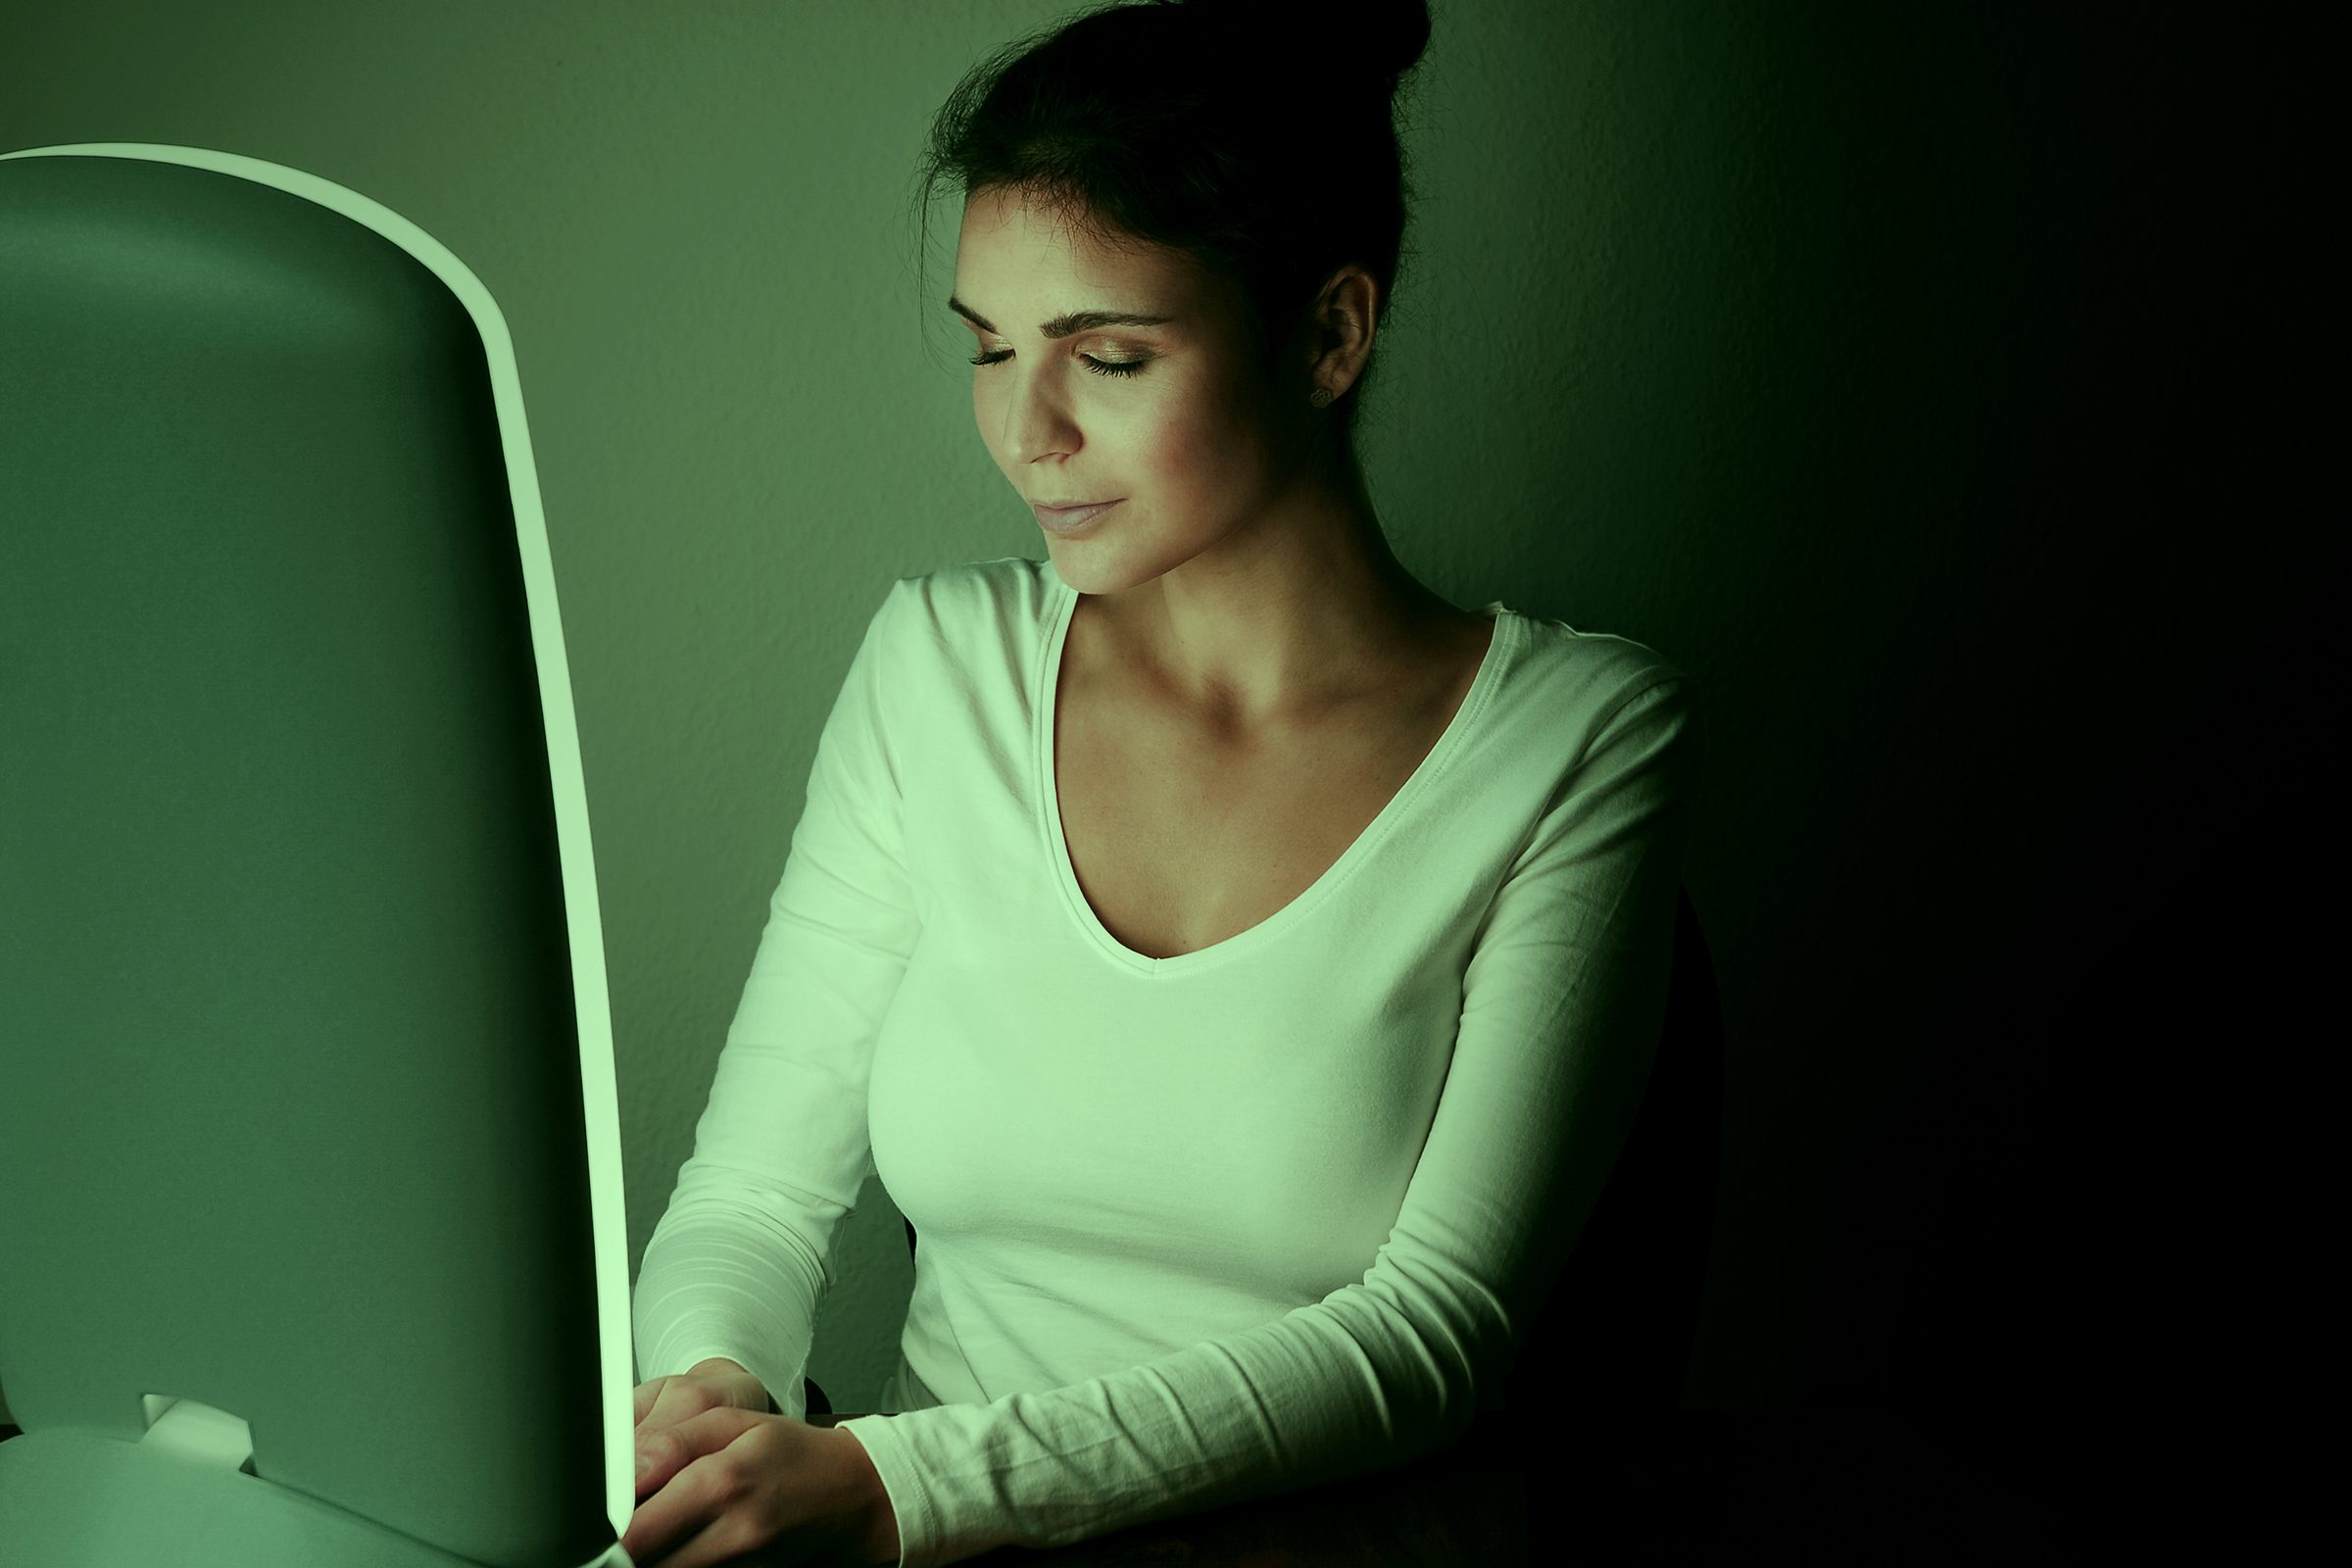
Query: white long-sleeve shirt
1200, 1229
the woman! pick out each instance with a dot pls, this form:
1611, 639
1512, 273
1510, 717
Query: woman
1239, 962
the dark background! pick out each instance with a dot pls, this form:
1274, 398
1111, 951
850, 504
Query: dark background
2058, 1208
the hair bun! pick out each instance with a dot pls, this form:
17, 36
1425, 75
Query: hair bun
1386, 37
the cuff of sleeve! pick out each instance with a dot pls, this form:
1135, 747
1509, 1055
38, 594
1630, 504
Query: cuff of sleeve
909, 1503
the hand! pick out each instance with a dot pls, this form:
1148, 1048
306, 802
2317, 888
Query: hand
750, 1490
664, 1402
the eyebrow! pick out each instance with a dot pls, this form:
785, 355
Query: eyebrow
1063, 327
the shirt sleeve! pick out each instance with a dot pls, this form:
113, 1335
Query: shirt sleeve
741, 1258
1564, 995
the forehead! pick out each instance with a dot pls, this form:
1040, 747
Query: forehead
1009, 242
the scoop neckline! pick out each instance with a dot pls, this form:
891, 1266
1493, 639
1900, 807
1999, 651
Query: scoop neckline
1046, 703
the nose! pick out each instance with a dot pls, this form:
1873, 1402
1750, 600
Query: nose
1033, 422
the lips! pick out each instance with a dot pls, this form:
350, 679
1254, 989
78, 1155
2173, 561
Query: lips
1070, 519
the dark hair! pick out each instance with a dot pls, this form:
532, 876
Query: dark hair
1246, 135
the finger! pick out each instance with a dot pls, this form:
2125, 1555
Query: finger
685, 1522
680, 1401
668, 1449
661, 1452
705, 1548
663, 1523
646, 1394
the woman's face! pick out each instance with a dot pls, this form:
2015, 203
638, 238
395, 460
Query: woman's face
1177, 430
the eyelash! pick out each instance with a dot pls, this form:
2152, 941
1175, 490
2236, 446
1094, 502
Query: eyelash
1099, 366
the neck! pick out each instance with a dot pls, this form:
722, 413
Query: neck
1308, 612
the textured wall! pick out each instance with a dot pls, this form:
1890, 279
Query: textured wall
1853, 356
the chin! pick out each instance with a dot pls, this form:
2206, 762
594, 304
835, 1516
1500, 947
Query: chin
1086, 571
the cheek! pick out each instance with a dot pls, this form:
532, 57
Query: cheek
988, 416
1211, 444
1184, 455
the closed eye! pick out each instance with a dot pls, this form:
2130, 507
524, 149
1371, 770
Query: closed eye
1099, 366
